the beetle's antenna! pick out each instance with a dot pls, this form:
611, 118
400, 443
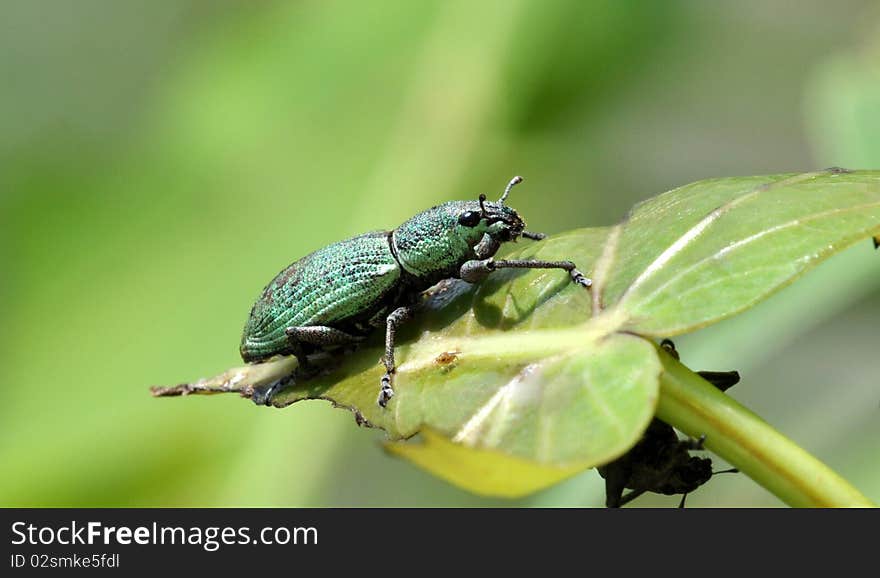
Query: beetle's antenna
514, 181
482, 207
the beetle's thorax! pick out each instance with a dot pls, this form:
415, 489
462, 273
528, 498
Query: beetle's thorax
434, 244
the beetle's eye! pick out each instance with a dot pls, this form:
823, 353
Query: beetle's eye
469, 218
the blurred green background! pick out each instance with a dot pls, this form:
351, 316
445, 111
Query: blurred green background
161, 161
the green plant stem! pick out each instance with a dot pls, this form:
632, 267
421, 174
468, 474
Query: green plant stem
694, 406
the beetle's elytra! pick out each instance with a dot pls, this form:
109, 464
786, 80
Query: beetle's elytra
340, 293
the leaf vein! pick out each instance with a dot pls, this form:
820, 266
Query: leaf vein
752, 238
696, 231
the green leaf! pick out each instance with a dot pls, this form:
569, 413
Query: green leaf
485, 472
708, 250
569, 400
575, 408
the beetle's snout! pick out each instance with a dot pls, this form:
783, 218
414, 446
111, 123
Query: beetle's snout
514, 226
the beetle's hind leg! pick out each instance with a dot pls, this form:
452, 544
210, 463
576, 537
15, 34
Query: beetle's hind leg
473, 271
263, 395
319, 335
395, 318
297, 336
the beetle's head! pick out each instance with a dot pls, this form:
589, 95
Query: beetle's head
445, 236
482, 217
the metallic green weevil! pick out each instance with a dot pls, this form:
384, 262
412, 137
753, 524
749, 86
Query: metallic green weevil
337, 295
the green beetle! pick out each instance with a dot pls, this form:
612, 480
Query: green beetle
339, 294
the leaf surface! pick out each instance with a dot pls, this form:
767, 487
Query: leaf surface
708, 250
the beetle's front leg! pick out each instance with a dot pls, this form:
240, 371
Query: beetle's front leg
398, 316
489, 246
474, 271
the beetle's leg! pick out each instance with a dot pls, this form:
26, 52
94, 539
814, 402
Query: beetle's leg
313, 335
316, 335
473, 271
576, 275
320, 335
615, 483
629, 497
487, 247
685, 495
723, 380
395, 318
694, 444
263, 395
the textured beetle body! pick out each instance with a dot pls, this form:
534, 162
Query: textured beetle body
344, 285
352, 284
340, 293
